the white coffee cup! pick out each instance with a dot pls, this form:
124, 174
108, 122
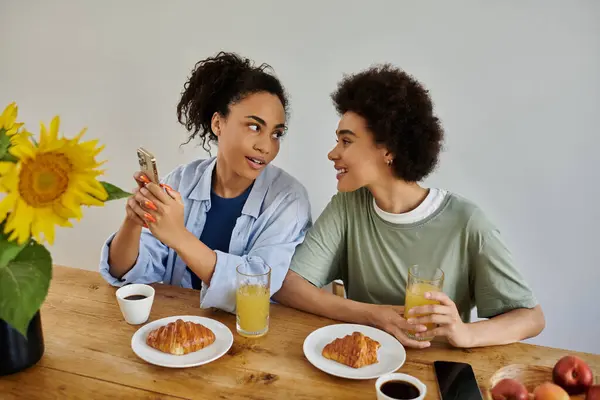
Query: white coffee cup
399, 377
135, 312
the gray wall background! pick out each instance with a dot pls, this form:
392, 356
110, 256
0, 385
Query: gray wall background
516, 84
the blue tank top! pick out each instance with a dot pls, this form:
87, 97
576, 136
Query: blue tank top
220, 221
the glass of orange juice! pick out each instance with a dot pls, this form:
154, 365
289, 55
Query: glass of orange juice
253, 298
420, 281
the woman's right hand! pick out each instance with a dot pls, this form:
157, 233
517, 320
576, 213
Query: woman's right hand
132, 216
131, 204
391, 320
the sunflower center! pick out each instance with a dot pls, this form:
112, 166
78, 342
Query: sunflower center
44, 179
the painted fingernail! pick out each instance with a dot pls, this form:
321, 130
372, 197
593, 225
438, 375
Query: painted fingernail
144, 179
145, 225
150, 205
149, 217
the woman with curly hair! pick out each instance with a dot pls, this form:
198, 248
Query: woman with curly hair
209, 216
382, 221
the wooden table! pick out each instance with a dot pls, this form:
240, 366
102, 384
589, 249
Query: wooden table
88, 354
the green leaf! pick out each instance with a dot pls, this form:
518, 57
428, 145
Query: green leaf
4, 146
114, 193
9, 157
4, 143
8, 251
24, 284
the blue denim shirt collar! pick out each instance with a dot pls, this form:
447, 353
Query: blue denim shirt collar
201, 191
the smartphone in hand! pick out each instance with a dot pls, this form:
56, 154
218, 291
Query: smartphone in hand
147, 163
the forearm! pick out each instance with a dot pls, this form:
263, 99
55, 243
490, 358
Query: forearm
198, 257
513, 326
124, 249
298, 293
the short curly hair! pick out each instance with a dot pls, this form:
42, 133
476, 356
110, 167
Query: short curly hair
218, 82
399, 113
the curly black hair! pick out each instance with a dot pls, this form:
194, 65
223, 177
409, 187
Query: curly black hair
399, 113
215, 84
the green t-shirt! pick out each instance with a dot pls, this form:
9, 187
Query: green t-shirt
351, 242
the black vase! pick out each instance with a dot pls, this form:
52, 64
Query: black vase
17, 352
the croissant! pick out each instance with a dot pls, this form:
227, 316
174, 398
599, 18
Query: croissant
356, 350
180, 337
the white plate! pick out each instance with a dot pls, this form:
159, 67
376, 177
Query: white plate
221, 345
391, 353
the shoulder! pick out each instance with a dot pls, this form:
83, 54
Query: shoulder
466, 212
353, 201
282, 186
343, 205
187, 175
193, 169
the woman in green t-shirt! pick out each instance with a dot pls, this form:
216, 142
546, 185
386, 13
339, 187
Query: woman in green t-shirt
382, 221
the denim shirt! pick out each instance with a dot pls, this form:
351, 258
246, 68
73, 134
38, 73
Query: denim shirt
274, 221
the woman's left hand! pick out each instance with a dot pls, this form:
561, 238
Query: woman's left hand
447, 318
162, 209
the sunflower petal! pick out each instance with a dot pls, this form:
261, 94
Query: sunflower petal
93, 190
19, 222
9, 179
43, 135
54, 125
77, 138
9, 116
6, 205
91, 201
6, 167
71, 204
22, 147
42, 227
13, 129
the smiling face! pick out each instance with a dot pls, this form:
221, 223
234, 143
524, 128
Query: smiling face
249, 137
357, 158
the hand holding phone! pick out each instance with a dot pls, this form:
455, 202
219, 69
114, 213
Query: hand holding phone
456, 381
147, 163
148, 173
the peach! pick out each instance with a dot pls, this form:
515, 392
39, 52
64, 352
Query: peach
509, 389
572, 374
550, 391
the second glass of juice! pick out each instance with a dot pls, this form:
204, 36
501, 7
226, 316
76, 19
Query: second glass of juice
420, 281
253, 298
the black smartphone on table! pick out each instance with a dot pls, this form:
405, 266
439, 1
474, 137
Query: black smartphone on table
456, 381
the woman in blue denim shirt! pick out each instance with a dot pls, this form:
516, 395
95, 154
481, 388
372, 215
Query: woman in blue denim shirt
210, 216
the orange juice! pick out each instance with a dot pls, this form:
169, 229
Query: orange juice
415, 296
252, 302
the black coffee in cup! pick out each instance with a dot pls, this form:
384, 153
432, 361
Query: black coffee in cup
135, 297
399, 389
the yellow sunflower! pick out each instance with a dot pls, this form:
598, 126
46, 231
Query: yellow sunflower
49, 183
